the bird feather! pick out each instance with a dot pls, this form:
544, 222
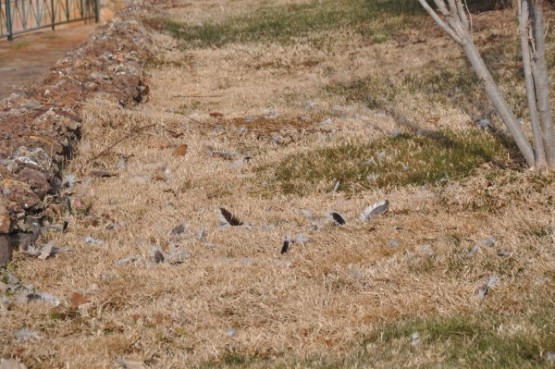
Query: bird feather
230, 218
285, 246
377, 208
338, 218
158, 256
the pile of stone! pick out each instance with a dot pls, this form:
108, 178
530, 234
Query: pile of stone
40, 127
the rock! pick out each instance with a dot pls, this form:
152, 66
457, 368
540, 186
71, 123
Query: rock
36, 179
5, 220
22, 241
5, 249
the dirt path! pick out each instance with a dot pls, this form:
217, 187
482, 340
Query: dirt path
30, 56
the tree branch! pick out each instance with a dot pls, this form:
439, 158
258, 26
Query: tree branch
456, 29
441, 7
462, 15
541, 81
524, 23
499, 102
440, 21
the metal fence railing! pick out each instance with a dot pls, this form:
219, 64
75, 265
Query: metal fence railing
20, 16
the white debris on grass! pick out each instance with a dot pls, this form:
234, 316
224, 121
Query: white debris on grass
89, 240
415, 339
373, 210
26, 334
484, 289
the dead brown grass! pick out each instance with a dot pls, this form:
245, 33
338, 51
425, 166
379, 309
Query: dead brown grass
234, 297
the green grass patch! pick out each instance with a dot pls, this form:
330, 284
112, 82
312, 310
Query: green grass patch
287, 23
482, 340
485, 339
402, 160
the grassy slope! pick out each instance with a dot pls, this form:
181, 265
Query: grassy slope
365, 93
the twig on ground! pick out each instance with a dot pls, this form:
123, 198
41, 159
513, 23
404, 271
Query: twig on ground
126, 137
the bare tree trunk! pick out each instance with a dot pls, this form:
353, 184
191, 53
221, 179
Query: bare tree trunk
453, 20
541, 80
524, 24
499, 101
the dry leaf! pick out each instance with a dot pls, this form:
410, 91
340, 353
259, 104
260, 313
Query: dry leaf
77, 300
181, 150
216, 114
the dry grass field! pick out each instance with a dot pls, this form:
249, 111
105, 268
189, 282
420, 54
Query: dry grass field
291, 110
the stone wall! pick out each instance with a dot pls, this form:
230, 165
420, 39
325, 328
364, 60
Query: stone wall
41, 125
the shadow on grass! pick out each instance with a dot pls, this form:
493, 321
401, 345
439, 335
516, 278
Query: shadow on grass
286, 23
440, 84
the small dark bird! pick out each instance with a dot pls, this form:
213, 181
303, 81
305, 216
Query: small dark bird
230, 218
285, 246
338, 218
